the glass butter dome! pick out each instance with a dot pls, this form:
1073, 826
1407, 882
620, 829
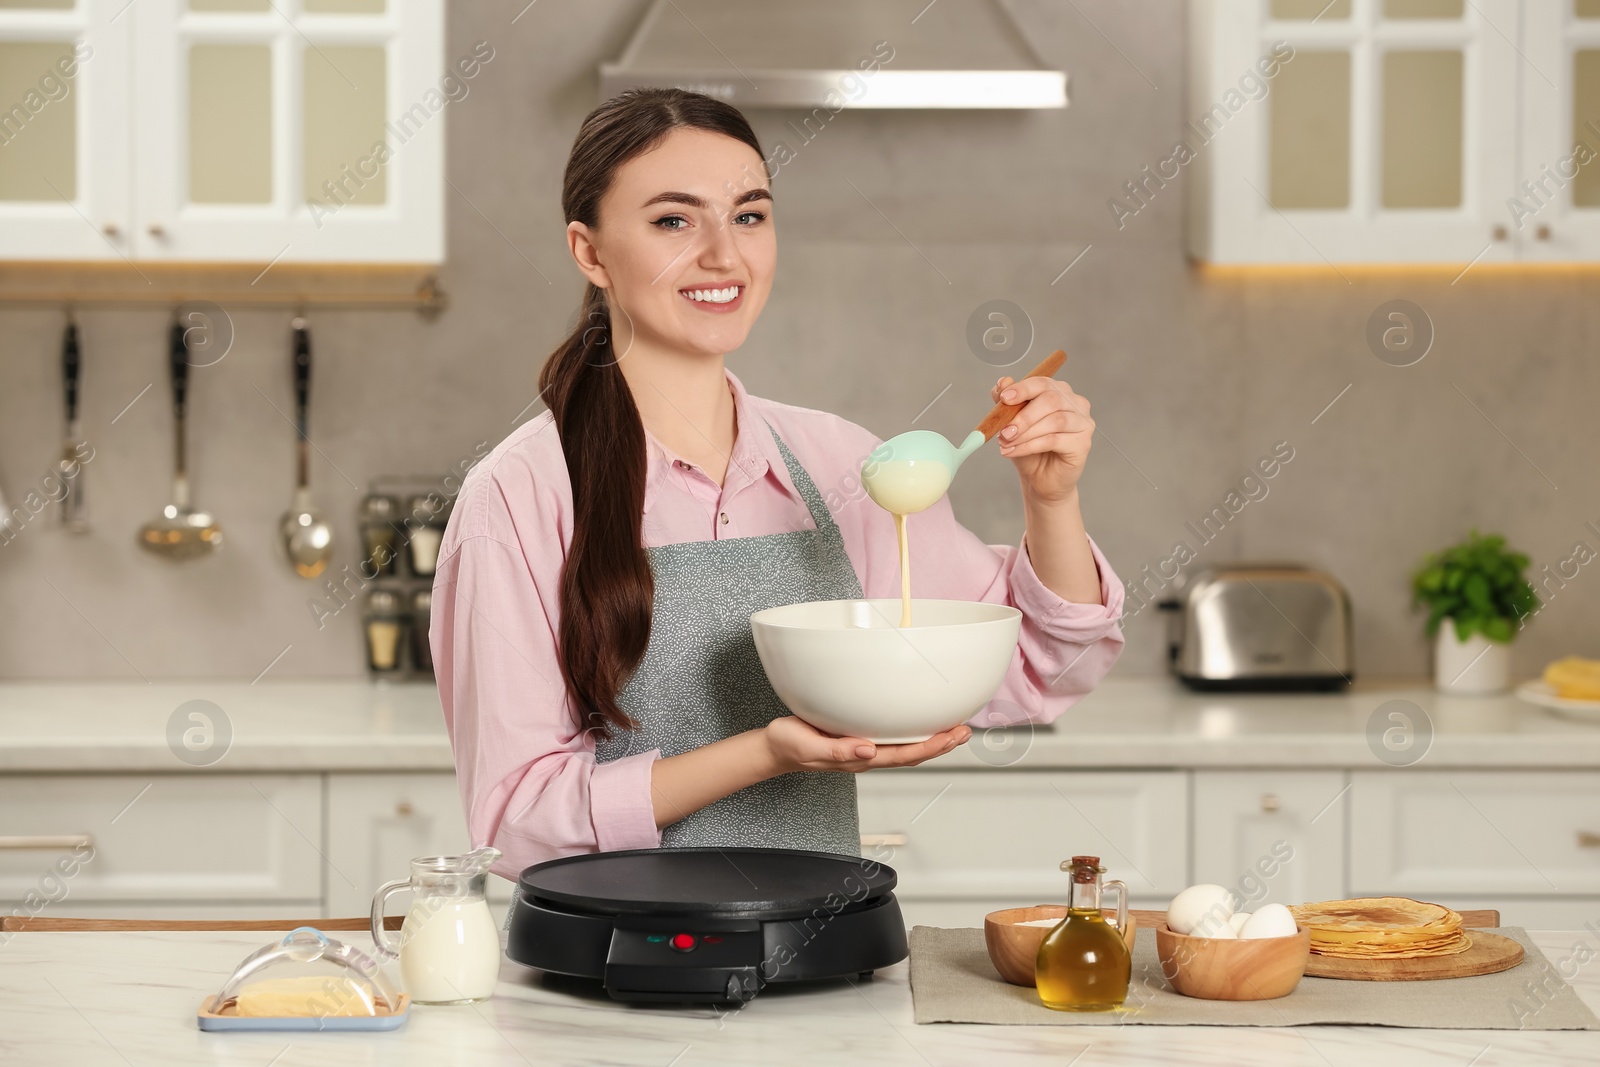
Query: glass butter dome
307, 980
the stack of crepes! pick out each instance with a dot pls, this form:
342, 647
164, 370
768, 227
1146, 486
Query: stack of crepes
1382, 928
1574, 678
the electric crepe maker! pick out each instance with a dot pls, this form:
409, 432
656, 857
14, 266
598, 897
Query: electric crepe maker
706, 924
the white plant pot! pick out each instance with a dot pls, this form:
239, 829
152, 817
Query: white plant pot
1475, 666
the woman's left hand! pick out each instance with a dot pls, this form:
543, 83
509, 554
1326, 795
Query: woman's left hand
1049, 438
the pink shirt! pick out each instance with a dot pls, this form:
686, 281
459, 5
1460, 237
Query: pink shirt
527, 773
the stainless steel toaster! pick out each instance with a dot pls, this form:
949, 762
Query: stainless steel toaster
1264, 626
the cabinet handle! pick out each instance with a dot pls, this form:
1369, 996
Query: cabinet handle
885, 840
404, 809
110, 229
42, 842
1270, 803
1588, 840
1542, 232
1500, 233
155, 229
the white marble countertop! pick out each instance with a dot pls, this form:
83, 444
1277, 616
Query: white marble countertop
274, 726
1128, 722
129, 1000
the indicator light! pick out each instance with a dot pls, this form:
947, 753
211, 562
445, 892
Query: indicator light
683, 942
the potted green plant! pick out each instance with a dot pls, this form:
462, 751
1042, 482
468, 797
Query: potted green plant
1477, 595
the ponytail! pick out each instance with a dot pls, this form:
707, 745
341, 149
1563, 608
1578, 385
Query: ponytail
607, 587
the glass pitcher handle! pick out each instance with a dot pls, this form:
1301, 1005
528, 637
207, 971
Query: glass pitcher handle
380, 936
1122, 900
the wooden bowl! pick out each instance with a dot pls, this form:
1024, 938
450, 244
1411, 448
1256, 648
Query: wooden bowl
1013, 948
1210, 968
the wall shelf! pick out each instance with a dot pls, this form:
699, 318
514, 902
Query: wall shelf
229, 285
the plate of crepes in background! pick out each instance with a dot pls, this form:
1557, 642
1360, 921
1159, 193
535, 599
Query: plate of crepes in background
1570, 684
1396, 939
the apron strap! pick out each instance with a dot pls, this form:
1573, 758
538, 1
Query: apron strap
802, 481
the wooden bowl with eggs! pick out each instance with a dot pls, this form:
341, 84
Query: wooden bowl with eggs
1013, 947
1232, 968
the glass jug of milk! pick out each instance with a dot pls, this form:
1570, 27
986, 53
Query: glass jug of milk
448, 948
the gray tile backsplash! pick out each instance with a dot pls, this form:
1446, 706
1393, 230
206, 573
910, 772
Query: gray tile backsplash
1193, 374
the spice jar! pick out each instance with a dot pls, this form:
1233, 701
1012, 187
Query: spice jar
378, 535
384, 621
421, 652
426, 518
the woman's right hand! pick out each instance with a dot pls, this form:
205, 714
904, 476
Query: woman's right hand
796, 745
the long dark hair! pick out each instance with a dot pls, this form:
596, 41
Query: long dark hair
606, 584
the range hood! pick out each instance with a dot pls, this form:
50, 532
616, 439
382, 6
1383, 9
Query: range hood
837, 54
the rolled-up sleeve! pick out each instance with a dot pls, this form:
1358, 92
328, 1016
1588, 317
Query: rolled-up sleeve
529, 781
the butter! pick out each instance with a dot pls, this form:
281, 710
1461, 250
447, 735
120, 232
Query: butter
316, 996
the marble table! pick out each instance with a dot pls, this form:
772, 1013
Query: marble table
128, 1000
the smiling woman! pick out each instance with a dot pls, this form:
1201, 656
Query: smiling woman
591, 609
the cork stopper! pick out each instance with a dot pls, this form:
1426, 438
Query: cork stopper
1084, 868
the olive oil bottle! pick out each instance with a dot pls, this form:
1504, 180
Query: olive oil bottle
1084, 964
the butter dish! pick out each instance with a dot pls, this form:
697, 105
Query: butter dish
306, 981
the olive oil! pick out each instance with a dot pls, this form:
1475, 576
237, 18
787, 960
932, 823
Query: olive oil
1084, 964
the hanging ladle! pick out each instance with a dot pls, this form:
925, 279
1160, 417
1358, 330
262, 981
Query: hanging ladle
307, 537
911, 471
180, 533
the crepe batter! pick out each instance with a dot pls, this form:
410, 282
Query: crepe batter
904, 487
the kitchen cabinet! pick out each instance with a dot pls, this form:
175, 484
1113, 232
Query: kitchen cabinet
1558, 209
1495, 834
157, 839
1388, 131
378, 823
289, 131
967, 842
1271, 836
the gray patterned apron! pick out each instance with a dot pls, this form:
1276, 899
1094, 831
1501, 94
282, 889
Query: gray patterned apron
701, 680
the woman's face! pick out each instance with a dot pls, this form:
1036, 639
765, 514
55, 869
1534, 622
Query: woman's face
685, 245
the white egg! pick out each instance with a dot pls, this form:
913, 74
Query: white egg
1238, 920
1270, 920
1202, 911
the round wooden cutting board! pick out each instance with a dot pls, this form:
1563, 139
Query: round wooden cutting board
1489, 954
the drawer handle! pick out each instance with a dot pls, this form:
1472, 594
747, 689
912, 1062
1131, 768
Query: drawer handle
1588, 840
885, 840
1270, 803
40, 842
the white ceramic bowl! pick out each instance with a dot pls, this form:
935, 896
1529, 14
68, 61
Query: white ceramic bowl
846, 666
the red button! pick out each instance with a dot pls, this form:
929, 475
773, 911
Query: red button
683, 942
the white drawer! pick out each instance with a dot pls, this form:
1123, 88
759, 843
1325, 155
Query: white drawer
217, 838
1271, 835
986, 835
1475, 832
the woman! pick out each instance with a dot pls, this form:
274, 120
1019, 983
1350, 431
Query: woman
591, 607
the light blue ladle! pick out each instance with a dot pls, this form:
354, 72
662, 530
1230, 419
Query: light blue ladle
911, 471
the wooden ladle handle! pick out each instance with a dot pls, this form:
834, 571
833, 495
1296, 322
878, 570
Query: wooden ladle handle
1003, 413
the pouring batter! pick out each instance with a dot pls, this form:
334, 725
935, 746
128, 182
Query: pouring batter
590, 625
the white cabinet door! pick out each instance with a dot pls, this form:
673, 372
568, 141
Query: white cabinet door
1271, 835
1373, 140
65, 182
267, 133
1479, 833
161, 838
1555, 205
378, 823
1001, 835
